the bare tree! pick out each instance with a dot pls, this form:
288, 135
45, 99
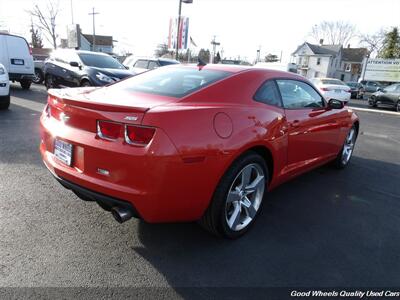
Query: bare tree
374, 42
335, 33
45, 19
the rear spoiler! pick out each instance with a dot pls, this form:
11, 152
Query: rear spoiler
62, 97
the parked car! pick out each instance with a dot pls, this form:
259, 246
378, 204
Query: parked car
356, 89
185, 143
4, 88
389, 96
73, 68
371, 86
141, 64
39, 71
332, 88
16, 57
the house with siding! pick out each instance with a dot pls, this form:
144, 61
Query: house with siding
332, 61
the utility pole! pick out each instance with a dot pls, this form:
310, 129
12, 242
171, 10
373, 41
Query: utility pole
93, 13
72, 13
215, 44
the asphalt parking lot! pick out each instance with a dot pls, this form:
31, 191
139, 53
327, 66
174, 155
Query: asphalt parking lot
327, 228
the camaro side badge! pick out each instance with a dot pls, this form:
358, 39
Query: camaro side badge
131, 118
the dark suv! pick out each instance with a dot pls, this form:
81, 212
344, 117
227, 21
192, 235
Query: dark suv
73, 68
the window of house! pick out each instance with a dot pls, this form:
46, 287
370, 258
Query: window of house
268, 93
297, 95
318, 60
316, 74
347, 67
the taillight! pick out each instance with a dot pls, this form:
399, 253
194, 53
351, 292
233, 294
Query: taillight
325, 89
47, 111
138, 135
30, 50
109, 130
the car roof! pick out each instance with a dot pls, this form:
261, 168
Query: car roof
240, 68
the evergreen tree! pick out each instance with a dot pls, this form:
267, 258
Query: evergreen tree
36, 37
391, 48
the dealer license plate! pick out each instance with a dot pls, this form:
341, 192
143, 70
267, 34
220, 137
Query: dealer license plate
63, 151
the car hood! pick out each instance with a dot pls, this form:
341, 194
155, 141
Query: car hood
117, 73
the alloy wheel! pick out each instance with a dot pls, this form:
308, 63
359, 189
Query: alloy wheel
348, 146
244, 197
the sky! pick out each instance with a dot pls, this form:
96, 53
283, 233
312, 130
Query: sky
241, 26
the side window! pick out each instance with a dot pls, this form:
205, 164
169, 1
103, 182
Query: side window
141, 64
152, 65
297, 94
268, 93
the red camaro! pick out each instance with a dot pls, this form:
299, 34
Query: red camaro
186, 143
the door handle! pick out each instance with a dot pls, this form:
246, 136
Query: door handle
295, 123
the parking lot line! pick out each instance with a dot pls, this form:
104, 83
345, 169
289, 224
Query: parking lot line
375, 110
32, 105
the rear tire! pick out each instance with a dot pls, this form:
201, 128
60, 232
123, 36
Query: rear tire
238, 197
25, 84
38, 77
372, 102
5, 102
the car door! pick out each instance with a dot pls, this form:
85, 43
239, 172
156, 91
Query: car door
313, 128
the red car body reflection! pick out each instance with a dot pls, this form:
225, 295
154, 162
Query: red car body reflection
194, 139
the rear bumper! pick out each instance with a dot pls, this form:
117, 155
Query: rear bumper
102, 200
153, 181
19, 77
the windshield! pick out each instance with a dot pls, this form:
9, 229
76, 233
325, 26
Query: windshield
100, 61
332, 81
171, 81
352, 84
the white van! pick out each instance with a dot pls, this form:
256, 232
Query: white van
16, 57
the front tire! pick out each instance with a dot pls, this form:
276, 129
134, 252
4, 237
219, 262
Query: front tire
345, 154
397, 107
49, 82
5, 102
238, 197
85, 83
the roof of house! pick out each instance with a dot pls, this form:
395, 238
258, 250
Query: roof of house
101, 40
354, 54
322, 49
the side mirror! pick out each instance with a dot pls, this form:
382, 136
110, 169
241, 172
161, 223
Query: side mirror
74, 64
379, 89
335, 104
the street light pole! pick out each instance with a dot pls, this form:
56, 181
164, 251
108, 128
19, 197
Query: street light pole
178, 29
94, 30
72, 13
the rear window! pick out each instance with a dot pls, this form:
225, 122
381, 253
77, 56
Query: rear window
172, 81
332, 81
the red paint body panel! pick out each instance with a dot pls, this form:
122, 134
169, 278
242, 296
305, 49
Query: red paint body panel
197, 138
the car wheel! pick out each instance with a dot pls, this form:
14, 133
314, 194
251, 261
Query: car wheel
238, 197
85, 83
49, 81
4, 102
344, 156
372, 102
25, 84
398, 106
38, 79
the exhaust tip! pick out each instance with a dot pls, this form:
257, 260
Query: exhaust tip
120, 214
